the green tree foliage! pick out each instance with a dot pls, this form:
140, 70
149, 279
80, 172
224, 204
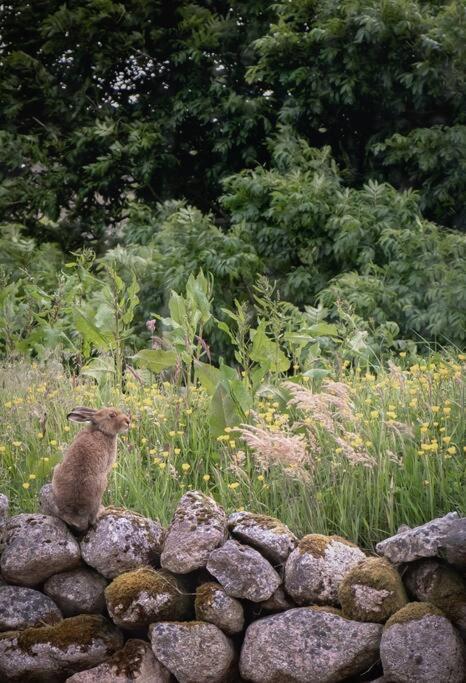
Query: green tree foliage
104, 101
352, 74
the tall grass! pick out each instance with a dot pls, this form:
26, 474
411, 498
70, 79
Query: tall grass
395, 456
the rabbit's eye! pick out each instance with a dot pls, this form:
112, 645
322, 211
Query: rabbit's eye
112, 414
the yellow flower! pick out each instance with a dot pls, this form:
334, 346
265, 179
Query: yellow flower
425, 446
53, 442
26, 485
233, 486
114, 465
369, 444
165, 453
391, 415
66, 428
426, 482
188, 411
338, 450
152, 451
17, 444
232, 443
206, 477
451, 450
45, 459
435, 409
261, 477
374, 413
162, 465
447, 410
446, 439
143, 440
306, 378
2, 449
185, 467
172, 433
177, 451
227, 430
413, 403
32, 476
8, 404
402, 354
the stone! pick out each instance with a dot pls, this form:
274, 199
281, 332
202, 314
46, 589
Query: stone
122, 540
278, 602
140, 597
433, 581
199, 526
420, 644
213, 605
193, 651
79, 591
308, 645
266, 534
135, 662
371, 591
315, 569
47, 505
422, 541
37, 546
453, 547
243, 572
4, 505
25, 607
51, 653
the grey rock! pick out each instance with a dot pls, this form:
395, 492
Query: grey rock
37, 546
47, 505
199, 525
50, 653
453, 546
422, 541
267, 534
433, 581
122, 540
79, 591
25, 607
419, 644
243, 572
138, 598
134, 663
315, 569
4, 505
216, 607
308, 645
193, 651
278, 602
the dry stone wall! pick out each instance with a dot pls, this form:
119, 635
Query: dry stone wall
216, 598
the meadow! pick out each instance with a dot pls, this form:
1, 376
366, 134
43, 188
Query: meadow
356, 453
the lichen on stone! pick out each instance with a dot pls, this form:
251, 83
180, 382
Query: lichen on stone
78, 631
412, 612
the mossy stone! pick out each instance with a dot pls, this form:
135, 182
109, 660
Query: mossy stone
412, 612
371, 591
316, 544
143, 596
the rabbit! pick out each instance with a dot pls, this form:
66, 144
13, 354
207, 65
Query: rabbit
80, 480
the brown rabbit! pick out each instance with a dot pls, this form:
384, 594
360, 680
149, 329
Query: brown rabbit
80, 480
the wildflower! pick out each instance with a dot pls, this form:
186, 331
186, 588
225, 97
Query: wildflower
435, 409
413, 403
16, 444
446, 439
227, 430
114, 465
374, 413
402, 354
451, 450
338, 450
177, 451
53, 442
26, 485
2, 449
261, 477
185, 467
232, 443
447, 410
45, 459
391, 415
426, 482
143, 440
206, 477
234, 485
172, 433
188, 411
162, 465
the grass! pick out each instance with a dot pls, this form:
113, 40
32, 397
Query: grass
394, 456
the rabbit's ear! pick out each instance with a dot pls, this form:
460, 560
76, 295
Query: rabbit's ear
81, 414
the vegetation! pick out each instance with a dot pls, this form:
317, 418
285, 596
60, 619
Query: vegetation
242, 221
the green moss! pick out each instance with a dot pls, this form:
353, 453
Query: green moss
80, 631
127, 661
447, 591
412, 612
327, 608
378, 574
316, 544
127, 587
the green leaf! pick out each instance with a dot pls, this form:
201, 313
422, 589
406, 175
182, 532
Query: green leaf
155, 360
223, 411
208, 375
90, 333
